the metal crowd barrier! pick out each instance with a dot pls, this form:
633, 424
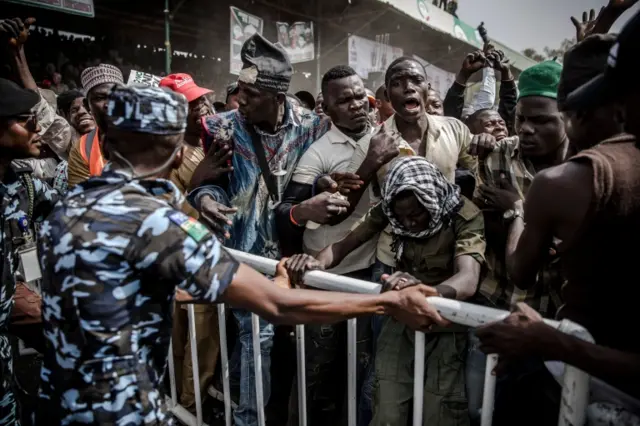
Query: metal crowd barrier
575, 389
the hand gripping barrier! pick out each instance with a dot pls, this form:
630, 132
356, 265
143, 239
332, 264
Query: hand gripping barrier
575, 390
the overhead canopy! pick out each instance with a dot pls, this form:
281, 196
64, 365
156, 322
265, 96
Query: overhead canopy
425, 12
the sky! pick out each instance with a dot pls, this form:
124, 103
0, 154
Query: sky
530, 23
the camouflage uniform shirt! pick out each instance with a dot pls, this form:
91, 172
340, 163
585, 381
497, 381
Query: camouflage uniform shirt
112, 255
14, 196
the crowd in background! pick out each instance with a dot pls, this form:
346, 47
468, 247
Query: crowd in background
390, 184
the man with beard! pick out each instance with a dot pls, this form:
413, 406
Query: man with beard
260, 145
323, 168
206, 317
592, 204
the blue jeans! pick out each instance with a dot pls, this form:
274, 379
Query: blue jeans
246, 414
365, 403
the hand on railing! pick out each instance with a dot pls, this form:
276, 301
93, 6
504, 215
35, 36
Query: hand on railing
411, 308
522, 334
298, 265
398, 281
282, 277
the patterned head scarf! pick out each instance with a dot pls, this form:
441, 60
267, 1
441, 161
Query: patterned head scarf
103, 73
440, 197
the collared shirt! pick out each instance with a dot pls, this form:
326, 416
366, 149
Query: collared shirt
254, 226
329, 154
112, 254
447, 145
507, 162
432, 259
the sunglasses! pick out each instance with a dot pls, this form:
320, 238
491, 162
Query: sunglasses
27, 120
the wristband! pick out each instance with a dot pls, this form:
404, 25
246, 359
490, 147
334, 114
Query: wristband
292, 219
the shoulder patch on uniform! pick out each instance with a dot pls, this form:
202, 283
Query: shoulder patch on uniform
468, 210
191, 226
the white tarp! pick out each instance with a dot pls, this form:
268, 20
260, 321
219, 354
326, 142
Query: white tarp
367, 56
439, 79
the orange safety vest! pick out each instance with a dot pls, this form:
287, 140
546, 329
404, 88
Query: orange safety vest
91, 152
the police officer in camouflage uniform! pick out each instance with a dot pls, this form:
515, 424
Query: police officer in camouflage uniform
24, 199
112, 255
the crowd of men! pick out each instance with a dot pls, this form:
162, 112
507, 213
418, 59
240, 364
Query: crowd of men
120, 202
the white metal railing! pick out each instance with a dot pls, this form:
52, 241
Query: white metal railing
575, 386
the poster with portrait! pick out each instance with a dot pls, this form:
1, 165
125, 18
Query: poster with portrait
297, 39
367, 56
139, 77
243, 25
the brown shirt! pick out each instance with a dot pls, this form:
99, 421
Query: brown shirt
601, 263
181, 177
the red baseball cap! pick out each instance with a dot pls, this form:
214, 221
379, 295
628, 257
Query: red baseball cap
183, 83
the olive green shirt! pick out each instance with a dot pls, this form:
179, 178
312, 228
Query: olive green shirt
432, 259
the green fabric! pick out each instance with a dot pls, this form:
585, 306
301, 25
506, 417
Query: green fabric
445, 400
540, 80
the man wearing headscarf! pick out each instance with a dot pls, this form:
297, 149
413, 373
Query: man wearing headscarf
86, 158
438, 237
261, 143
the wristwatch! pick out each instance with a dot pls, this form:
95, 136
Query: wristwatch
512, 214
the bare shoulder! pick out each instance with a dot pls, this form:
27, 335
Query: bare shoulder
564, 188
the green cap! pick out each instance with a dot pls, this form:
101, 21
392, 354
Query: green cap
540, 80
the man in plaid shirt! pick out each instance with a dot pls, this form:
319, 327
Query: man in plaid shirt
505, 176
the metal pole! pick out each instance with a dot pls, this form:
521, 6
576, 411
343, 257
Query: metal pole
194, 363
302, 376
575, 382
489, 391
172, 377
167, 42
224, 358
418, 378
318, 50
257, 364
351, 370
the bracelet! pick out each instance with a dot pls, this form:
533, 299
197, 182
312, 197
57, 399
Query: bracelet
291, 217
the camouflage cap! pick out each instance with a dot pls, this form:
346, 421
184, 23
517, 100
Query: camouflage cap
144, 109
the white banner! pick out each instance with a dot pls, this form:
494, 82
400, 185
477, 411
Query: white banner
139, 77
77, 7
243, 25
367, 56
439, 79
297, 39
